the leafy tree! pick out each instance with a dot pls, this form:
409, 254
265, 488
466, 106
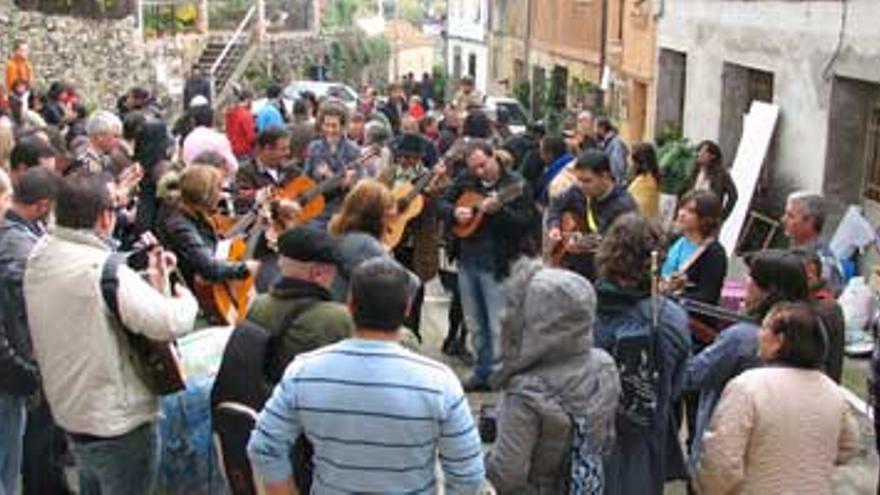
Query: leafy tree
340, 14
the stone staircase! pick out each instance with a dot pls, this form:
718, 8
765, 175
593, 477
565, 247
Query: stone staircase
226, 57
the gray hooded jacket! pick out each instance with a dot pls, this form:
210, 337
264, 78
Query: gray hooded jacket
549, 373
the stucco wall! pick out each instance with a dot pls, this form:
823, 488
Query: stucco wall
793, 40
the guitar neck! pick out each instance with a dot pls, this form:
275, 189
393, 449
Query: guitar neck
419, 186
323, 188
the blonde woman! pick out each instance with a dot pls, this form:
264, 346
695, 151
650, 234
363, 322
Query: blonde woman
359, 226
189, 232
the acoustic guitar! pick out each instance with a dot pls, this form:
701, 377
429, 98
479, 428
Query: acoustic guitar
410, 204
576, 238
226, 303
309, 195
474, 200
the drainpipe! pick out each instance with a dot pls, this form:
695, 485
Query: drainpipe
528, 56
603, 41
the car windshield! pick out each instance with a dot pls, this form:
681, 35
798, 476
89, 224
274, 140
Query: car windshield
515, 116
341, 93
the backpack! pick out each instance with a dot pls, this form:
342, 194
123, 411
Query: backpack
245, 380
587, 476
635, 351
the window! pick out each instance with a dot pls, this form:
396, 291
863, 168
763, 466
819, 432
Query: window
671, 87
519, 70
740, 86
872, 155
456, 63
472, 65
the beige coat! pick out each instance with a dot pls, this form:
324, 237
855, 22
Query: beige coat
777, 430
88, 379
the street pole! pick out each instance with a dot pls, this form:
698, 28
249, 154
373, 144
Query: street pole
528, 54
396, 40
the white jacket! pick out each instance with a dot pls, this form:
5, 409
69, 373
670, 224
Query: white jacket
87, 377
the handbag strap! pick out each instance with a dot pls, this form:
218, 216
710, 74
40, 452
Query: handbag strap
696, 255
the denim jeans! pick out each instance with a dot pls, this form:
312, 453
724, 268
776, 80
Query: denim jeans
124, 465
12, 421
482, 299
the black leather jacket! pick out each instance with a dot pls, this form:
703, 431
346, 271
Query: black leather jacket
193, 242
18, 369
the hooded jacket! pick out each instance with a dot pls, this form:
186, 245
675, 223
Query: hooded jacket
550, 372
19, 68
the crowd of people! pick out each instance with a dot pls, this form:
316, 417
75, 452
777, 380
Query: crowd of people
618, 370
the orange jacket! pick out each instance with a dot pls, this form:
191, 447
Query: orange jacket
18, 68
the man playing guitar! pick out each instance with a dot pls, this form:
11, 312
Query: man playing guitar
418, 248
269, 167
593, 203
486, 255
329, 155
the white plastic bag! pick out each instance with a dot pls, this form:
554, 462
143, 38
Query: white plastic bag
857, 302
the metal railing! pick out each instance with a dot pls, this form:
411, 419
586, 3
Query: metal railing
236, 37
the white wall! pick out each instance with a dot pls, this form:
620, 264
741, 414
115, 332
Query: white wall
468, 19
794, 41
467, 48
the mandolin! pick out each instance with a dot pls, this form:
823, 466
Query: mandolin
474, 200
576, 239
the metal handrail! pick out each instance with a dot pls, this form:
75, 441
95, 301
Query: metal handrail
238, 32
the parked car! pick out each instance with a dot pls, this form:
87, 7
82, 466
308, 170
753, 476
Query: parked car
517, 116
321, 89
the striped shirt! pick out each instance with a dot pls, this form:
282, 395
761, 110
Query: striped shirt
378, 417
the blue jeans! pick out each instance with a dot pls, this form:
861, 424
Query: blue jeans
12, 421
482, 299
124, 465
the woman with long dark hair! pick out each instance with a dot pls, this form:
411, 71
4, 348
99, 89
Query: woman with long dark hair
645, 184
774, 276
152, 146
781, 428
710, 174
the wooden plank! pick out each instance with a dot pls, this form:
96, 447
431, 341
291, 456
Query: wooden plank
758, 127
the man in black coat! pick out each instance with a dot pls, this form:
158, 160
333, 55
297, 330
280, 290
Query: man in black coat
596, 201
396, 107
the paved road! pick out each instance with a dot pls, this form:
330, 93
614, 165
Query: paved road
859, 477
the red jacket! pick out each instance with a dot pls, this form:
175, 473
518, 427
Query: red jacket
241, 130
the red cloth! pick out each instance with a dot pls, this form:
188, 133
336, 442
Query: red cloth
241, 130
417, 111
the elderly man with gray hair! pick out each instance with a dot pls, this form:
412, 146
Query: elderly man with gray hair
803, 221
104, 130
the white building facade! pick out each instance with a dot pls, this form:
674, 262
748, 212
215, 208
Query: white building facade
467, 26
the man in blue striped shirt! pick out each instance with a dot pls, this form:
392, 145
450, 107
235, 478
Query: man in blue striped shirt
377, 415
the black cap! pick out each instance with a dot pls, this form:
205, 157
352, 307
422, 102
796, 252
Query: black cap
309, 245
410, 144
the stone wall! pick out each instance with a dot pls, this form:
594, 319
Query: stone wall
285, 58
102, 58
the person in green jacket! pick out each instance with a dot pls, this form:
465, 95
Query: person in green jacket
299, 311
